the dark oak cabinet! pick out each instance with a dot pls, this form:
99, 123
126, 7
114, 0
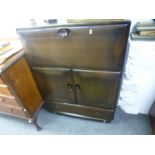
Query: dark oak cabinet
78, 67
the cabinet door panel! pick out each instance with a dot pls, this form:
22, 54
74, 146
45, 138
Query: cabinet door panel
55, 83
96, 88
95, 47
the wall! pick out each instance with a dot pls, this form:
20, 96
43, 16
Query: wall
138, 89
8, 26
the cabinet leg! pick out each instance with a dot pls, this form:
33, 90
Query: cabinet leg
34, 121
37, 126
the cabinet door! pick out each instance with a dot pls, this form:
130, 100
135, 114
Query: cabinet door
97, 47
55, 84
96, 88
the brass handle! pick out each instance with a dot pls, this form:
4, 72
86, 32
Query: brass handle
63, 33
77, 87
70, 88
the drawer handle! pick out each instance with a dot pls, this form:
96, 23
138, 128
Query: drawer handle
63, 33
77, 88
70, 88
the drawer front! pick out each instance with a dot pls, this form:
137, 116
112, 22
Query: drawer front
98, 47
9, 102
12, 111
81, 111
96, 88
4, 91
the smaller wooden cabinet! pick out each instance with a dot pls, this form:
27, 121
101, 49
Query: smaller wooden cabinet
19, 94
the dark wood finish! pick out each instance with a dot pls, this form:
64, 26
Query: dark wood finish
152, 117
152, 122
105, 42
19, 94
54, 83
78, 67
81, 111
96, 88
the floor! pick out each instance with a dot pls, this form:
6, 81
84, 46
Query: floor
123, 124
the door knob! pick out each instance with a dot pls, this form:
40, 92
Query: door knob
77, 87
70, 88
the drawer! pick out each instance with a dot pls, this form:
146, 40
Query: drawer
4, 91
9, 102
12, 111
92, 47
81, 111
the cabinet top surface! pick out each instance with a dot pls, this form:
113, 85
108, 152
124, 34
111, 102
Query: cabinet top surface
72, 22
15, 54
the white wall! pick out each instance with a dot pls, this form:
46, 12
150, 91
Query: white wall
138, 89
8, 26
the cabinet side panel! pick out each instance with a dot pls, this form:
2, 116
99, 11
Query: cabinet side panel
20, 78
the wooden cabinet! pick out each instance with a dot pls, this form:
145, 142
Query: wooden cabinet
78, 67
19, 94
